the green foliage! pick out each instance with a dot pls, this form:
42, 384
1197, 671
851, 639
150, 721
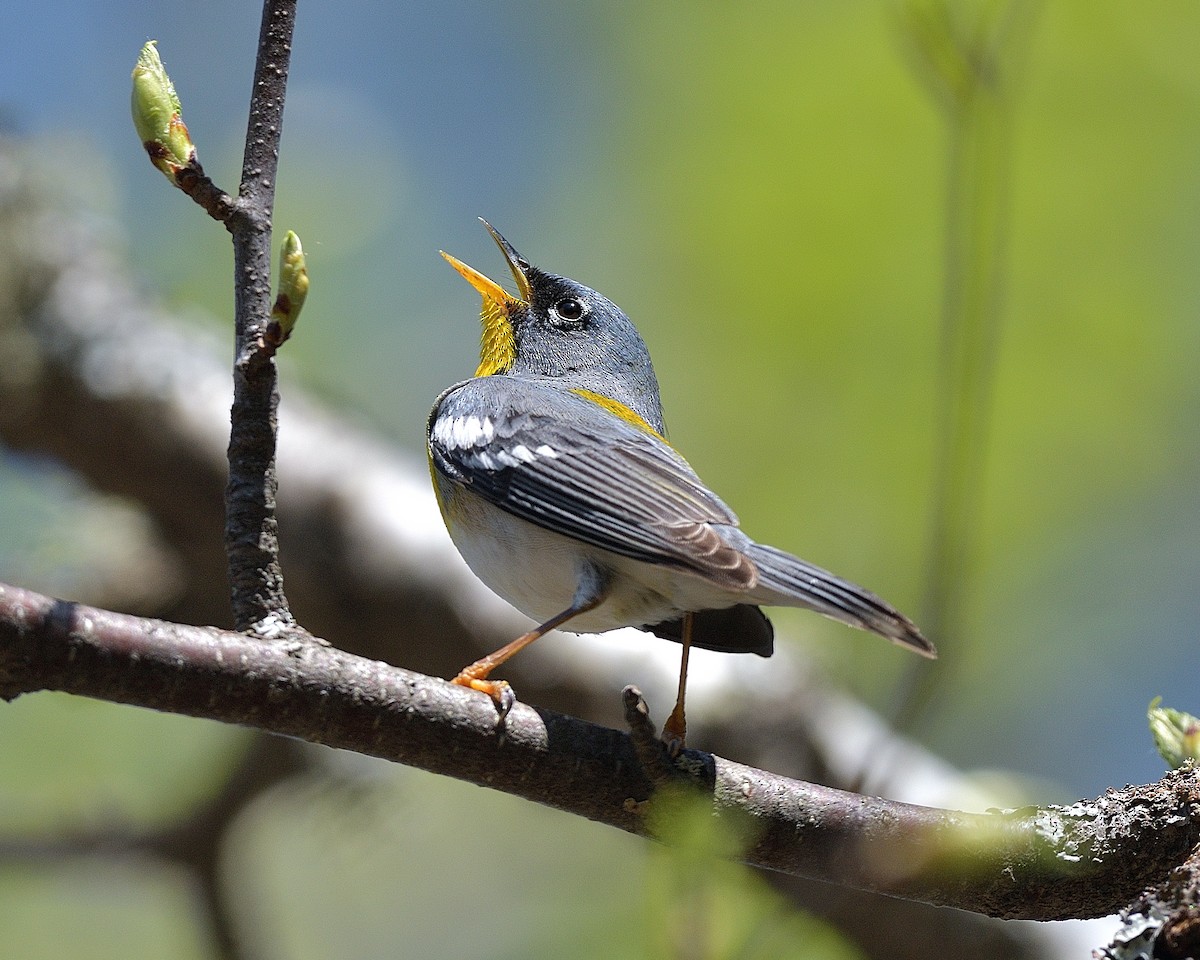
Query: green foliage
784, 251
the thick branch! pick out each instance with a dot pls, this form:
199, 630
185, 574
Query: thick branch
1039, 863
1166, 918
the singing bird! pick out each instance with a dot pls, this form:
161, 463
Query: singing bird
559, 488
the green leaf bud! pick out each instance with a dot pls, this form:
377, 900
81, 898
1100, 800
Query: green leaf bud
157, 114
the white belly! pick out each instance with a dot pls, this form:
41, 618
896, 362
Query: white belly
538, 572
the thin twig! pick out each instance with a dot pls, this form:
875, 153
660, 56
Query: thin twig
1038, 863
251, 532
219, 205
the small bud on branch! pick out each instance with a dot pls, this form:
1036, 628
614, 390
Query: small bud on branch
293, 288
158, 119
1176, 734
158, 115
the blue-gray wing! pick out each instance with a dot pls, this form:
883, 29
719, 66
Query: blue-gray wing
559, 460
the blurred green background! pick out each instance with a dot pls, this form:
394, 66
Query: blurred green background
764, 189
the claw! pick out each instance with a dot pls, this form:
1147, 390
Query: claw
505, 697
674, 732
500, 691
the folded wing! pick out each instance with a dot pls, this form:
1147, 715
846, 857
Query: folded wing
562, 461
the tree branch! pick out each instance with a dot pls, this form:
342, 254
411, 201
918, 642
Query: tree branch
1044, 863
1165, 919
251, 528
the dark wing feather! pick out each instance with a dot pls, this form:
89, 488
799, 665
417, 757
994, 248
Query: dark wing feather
561, 461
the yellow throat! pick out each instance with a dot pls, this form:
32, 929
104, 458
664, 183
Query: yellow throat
497, 343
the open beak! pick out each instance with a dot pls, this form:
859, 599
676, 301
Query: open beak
489, 289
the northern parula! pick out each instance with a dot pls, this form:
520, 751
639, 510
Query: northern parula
560, 490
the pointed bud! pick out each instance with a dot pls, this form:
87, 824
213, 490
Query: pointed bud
293, 288
157, 115
1176, 734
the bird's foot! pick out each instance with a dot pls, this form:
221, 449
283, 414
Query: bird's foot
674, 733
500, 691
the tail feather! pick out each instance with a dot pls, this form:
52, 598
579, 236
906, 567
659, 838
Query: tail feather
785, 580
738, 629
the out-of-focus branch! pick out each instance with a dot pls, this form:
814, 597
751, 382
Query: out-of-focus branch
136, 401
1038, 863
193, 842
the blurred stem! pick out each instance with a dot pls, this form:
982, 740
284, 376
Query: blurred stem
969, 70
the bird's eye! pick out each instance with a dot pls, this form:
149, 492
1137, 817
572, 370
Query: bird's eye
569, 308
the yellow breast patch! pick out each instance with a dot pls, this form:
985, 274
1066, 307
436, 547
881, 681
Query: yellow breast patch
619, 409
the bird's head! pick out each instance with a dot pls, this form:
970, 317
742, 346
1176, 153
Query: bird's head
556, 327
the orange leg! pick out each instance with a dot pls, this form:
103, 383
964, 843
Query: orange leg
589, 595
675, 729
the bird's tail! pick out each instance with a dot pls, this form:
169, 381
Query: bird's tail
784, 580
